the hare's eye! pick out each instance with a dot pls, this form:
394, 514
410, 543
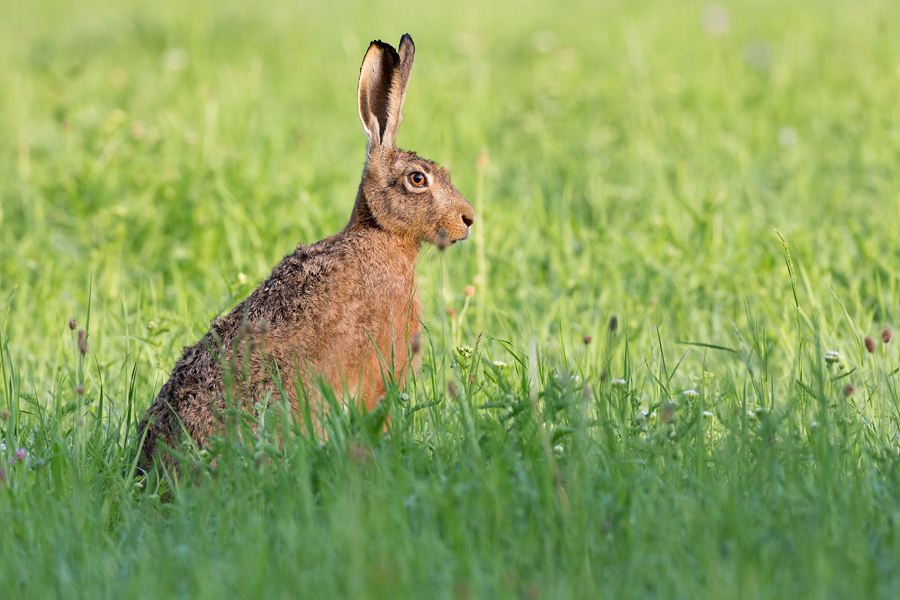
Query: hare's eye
417, 179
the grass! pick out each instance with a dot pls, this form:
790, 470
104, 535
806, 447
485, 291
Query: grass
731, 199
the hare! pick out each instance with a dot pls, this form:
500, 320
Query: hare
343, 309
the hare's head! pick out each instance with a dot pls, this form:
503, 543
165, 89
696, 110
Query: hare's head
404, 194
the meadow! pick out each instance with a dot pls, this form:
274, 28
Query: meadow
658, 385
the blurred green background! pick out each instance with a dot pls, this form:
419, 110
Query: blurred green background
626, 158
638, 157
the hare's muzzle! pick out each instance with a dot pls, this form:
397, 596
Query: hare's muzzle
468, 218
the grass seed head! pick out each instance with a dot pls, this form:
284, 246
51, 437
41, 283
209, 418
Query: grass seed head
470, 291
443, 240
451, 312
668, 412
359, 454
587, 340
451, 389
79, 389
613, 323
849, 389
4, 415
72, 324
870, 344
886, 335
82, 342
482, 161
462, 591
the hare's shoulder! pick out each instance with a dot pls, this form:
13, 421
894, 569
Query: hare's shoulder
302, 279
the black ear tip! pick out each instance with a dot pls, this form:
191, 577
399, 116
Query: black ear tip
406, 39
387, 48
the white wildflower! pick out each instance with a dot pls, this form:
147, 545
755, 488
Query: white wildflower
619, 382
707, 414
690, 393
465, 351
715, 20
500, 364
787, 137
175, 59
558, 449
833, 356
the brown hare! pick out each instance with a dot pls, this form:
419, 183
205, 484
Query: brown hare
343, 309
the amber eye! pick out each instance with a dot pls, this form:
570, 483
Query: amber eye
417, 179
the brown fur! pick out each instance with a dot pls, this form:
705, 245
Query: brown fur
324, 305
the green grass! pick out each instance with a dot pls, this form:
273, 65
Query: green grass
157, 159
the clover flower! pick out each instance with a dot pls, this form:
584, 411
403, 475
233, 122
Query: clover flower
833, 356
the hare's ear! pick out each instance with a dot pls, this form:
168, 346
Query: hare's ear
382, 89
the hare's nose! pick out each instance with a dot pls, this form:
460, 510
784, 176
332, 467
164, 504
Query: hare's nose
468, 220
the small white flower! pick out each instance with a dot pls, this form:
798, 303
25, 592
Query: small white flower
750, 414
175, 59
707, 414
653, 415
465, 351
619, 382
500, 364
690, 393
558, 449
833, 356
242, 278
404, 396
715, 20
673, 433
787, 137
814, 424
